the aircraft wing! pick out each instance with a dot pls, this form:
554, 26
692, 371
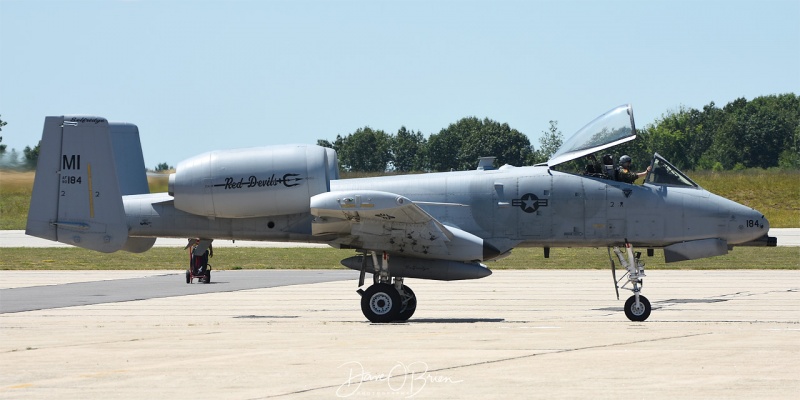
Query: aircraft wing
384, 221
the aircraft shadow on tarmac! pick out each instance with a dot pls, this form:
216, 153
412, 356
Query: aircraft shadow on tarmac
666, 303
451, 320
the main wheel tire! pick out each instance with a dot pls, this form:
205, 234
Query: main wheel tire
208, 277
381, 303
637, 313
407, 309
188, 277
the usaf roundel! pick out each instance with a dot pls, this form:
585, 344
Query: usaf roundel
529, 202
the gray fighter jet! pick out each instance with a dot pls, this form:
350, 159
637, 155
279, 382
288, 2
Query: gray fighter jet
91, 191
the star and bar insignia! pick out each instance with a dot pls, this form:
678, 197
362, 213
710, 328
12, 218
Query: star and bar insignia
529, 203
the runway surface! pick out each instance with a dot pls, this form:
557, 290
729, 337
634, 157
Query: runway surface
301, 334
157, 285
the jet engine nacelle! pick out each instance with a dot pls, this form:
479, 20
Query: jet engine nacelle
253, 182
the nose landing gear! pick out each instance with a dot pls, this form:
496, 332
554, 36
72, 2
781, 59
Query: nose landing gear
637, 307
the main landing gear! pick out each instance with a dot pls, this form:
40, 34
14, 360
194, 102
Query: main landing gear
387, 299
637, 307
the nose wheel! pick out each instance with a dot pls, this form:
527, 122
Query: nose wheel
637, 307
637, 310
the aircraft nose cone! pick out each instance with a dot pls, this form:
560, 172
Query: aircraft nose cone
747, 224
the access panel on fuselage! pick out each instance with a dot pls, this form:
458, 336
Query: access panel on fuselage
503, 219
648, 211
532, 207
617, 194
567, 204
595, 208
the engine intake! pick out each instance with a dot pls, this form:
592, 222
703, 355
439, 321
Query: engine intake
253, 182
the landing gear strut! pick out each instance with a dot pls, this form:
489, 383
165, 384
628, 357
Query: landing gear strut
387, 299
637, 307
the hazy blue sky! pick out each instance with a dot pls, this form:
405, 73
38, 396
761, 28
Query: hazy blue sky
204, 75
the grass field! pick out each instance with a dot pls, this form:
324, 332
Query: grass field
15, 198
320, 258
775, 193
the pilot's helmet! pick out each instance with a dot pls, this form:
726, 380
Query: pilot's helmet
624, 159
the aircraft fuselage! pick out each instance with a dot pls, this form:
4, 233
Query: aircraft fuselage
509, 207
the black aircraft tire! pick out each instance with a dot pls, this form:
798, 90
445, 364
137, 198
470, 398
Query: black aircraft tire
381, 303
411, 306
637, 314
208, 277
188, 277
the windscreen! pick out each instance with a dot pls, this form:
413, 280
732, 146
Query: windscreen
610, 129
664, 173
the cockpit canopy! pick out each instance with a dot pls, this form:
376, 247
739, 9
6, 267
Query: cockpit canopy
608, 130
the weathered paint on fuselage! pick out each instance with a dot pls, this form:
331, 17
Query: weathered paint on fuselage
509, 207
537, 206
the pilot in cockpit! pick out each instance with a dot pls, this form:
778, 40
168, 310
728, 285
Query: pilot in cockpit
625, 173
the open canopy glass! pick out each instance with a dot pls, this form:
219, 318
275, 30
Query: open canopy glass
610, 129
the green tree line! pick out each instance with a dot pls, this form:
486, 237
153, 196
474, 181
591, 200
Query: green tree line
12, 160
761, 133
456, 147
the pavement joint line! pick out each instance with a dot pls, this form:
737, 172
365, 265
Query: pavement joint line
90, 344
497, 361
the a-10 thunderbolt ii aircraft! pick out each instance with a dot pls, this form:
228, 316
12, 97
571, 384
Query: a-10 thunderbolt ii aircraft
91, 191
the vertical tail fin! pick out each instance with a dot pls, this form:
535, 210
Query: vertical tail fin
85, 166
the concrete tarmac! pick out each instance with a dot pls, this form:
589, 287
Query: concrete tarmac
515, 334
163, 284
